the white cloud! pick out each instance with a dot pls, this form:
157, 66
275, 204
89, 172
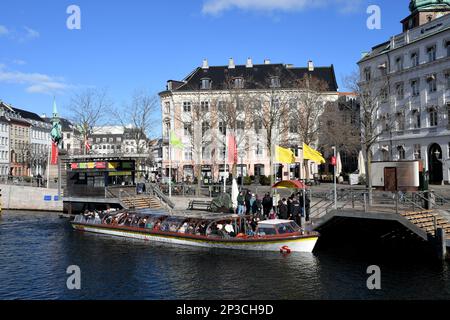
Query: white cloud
3, 31
31, 33
34, 82
19, 62
217, 6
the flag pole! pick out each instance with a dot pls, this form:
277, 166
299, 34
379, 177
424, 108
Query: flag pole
226, 164
170, 166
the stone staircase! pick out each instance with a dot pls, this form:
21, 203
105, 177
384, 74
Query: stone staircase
141, 202
428, 220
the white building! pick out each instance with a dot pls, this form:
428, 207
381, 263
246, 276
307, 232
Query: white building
4, 146
411, 73
213, 89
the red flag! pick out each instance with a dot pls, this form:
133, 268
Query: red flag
87, 146
232, 150
333, 161
54, 158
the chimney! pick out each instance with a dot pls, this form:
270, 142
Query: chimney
266, 61
231, 64
205, 65
310, 66
249, 63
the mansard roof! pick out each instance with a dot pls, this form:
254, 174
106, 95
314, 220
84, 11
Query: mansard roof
255, 77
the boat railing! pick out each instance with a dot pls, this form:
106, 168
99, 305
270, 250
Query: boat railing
85, 220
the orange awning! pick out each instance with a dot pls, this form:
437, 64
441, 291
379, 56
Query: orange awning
290, 184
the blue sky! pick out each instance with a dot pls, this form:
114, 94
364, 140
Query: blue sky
139, 44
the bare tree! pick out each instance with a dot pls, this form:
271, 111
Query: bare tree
270, 110
138, 119
339, 127
89, 109
370, 94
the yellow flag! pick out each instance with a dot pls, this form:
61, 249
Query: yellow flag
175, 142
284, 155
313, 155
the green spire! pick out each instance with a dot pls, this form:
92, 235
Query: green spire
428, 4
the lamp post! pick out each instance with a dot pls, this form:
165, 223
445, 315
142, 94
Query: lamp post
335, 182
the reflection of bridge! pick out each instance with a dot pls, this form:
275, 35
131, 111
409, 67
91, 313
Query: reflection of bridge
397, 215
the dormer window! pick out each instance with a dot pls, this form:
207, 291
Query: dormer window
275, 82
238, 83
447, 46
205, 84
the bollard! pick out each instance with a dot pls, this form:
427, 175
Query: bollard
441, 245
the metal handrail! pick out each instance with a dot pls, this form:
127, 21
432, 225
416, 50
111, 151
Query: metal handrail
156, 191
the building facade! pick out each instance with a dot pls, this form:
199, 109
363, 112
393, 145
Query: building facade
199, 106
410, 74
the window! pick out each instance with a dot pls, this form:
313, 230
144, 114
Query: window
432, 83
401, 153
416, 119
399, 90
239, 83
448, 115
384, 95
259, 150
187, 106
414, 59
222, 128
221, 106
431, 52
258, 126
399, 63
206, 154
187, 129
400, 119
293, 126
167, 107
206, 84
275, 82
367, 74
447, 80
204, 106
447, 46
239, 105
240, 125
417, 152
205, 127
188, 154
104, 139
415, 88
433, 117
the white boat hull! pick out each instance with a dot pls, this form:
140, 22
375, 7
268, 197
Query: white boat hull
305, 244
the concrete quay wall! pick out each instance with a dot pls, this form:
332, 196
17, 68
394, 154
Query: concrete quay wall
30, 198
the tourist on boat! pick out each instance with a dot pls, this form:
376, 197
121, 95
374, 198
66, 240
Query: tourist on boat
241, 203
267, 205
183, 228
283, 209
230, 230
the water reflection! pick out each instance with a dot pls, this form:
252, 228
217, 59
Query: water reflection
36, 249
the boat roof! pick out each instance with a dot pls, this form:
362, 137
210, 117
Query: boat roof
274, 222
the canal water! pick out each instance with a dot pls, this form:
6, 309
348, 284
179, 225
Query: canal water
37, 248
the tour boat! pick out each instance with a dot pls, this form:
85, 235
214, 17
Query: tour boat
224, 232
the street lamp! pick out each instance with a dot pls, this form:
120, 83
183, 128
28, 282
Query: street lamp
335, 182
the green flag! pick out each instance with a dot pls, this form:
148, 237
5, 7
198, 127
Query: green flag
175, 142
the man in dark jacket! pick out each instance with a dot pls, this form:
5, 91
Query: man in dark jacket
248, 197
267, 204
283, 209
296, 212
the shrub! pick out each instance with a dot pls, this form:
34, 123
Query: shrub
247, 181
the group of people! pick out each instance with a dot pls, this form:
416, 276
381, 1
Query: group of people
296, 207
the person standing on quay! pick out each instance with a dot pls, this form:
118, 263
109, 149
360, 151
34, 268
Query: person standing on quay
241, 203
267, 205
283, 209
248, 198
